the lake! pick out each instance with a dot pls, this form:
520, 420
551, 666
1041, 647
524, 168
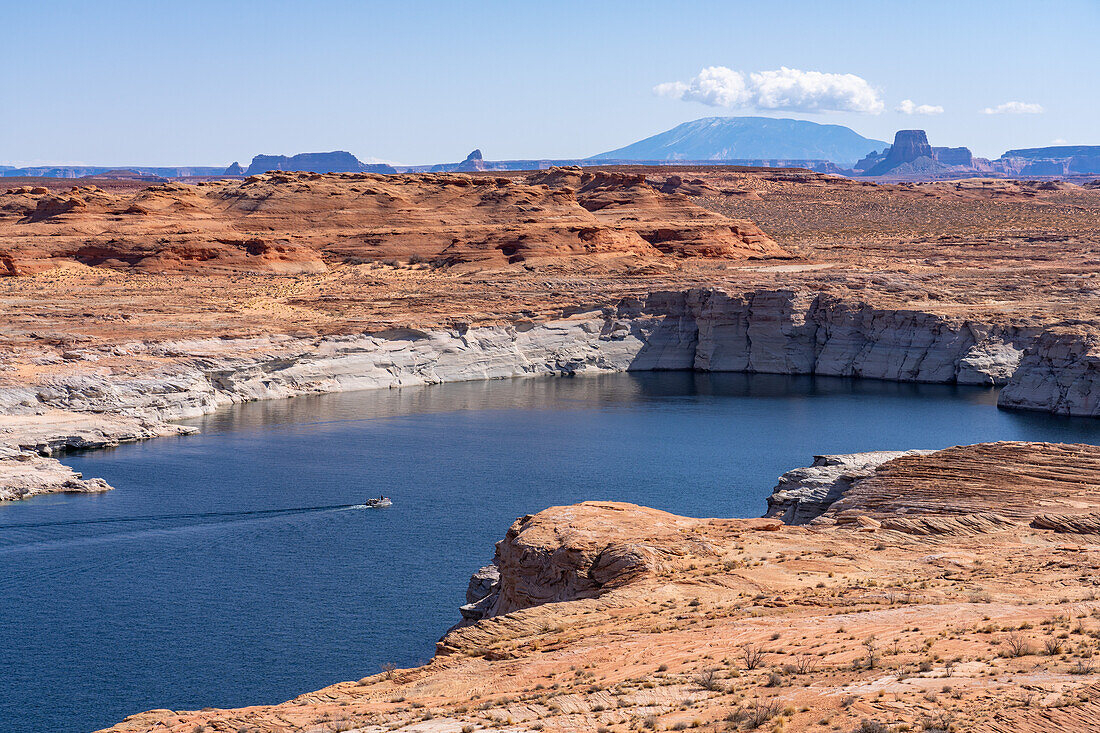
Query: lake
228, 568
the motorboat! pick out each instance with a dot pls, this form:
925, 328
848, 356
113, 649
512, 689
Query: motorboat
378, 502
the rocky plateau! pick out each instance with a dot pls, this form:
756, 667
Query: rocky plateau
949, 590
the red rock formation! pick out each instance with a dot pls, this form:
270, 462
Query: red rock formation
292, 222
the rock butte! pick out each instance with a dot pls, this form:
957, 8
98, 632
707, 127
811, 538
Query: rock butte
127, 307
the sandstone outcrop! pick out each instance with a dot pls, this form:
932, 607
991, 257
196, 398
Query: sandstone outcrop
779, 332
142, 387
473, 162
294, 223
953, 156
962, 489
909, 146
560, 555
804, 494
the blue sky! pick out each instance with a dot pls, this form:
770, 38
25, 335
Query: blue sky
210, 82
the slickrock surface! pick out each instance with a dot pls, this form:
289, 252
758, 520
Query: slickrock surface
612, 616
956, 490
1019, 481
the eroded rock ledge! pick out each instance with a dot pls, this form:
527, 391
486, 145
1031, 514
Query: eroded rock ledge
24, 474
804, 494
965, 488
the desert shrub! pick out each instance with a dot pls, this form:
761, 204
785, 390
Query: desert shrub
708, 680
806, 663
753, 656
1083, 666
1017, 645
755, 715
871, 726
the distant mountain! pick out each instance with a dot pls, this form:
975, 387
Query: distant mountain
728, 138
338, 161
476, 162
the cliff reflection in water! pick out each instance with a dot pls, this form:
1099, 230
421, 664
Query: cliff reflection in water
580, 392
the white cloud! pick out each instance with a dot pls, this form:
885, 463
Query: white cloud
780, 89
1014, 108
909, 107
1058, 141
714, 85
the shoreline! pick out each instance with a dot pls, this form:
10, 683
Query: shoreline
99, 397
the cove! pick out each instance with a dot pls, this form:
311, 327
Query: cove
227, 568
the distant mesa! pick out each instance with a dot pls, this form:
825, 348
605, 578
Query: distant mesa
1057, 160
337, 161
911, 157
125, 174
234, 169
94, 171
953, 156
750, 138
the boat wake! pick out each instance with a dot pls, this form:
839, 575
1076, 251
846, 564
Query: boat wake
62, 533
192, 515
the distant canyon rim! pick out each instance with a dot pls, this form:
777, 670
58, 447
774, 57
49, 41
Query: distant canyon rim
131, 306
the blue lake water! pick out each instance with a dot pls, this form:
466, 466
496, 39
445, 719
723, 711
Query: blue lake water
183, 589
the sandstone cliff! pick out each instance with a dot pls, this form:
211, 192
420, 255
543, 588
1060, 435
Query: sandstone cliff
1059, 373
132, 393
